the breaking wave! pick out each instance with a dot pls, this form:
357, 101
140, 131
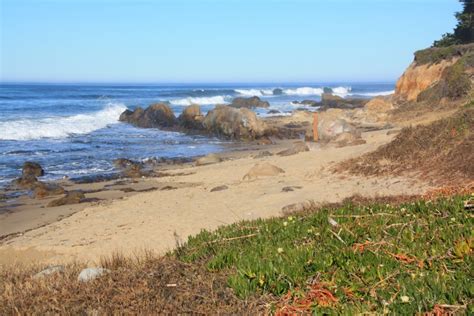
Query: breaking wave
60, 127
200, 100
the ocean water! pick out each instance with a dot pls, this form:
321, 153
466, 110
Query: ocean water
73, 130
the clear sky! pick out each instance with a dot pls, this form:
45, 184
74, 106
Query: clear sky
216, 40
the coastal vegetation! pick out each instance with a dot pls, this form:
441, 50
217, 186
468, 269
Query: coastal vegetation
464, 31
401, 255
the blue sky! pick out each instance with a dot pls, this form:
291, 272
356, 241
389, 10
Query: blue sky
216, 41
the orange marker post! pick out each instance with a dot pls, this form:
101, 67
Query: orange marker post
315, 127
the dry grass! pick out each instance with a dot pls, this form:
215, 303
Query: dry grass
135, 286
442, 151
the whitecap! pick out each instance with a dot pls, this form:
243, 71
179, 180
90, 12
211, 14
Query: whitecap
199, 100
304, 91
60, 127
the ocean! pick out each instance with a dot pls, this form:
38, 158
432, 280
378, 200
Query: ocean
73, 130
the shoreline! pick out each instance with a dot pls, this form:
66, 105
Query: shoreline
160, 211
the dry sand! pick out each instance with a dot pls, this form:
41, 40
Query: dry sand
153, 221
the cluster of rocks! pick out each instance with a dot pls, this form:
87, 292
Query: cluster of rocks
329, 100
39, 189
234, 121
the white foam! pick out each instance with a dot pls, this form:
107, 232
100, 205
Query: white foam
341, 91
60, 127
304, 91
200, 100
374, 94
254, 92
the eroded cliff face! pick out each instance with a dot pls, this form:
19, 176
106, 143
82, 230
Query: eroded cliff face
418, 78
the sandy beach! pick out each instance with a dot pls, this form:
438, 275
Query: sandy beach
155, 221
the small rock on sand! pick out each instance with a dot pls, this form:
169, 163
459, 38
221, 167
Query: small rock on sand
297, 148
297, 207
207, 160
73, 197
263, 170
262, 154
290, 188
90, 274
219, 188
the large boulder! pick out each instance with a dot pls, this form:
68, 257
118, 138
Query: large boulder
155, 116
252, 102
234, 123
331, 124
191, 118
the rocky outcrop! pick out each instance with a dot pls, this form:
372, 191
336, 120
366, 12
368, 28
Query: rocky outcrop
42, 190
155, 116
249, 103
191, 118
377, 110
418, 78
226, 121
132, 169
297, 148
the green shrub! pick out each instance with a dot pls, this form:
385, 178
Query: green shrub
379, 253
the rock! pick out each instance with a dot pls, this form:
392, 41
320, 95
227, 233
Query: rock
31, 168
297, 207
330, 125
348, 139
297, 148
90, 274
264, 141
72, 197
309, 102
263, 170
327, 90
273, 112
262, 154
234, 123
191, 118
42, 190
219, 188
333, 101
290, 188
418, 78
155, 116
277, 91
49, 271
131, 169
377, 109
25, 182
207, 160
252, 102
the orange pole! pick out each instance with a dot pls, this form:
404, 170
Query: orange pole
315, 127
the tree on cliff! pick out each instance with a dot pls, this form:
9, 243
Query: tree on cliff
464, 31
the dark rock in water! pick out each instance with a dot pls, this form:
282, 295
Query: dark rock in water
327, 90
334, 101
219, 188
277, 91
273, 112
191, 118
72, 197
156, 115
252, 102
123, 163
42, 190
229, 122
31, 168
